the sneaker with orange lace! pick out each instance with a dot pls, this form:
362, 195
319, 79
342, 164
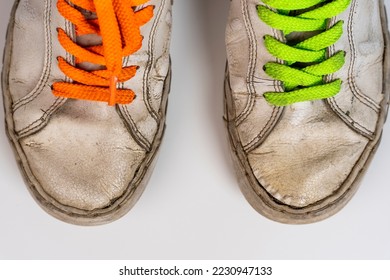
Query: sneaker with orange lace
85, 85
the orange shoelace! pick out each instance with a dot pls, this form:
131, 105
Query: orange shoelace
118, 24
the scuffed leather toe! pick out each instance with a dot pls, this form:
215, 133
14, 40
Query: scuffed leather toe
83, 159
306, 159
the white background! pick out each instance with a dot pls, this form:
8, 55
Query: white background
192, 207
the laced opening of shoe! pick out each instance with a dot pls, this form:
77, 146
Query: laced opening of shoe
117, 23
306, 64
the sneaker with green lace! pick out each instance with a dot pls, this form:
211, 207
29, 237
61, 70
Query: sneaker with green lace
306, 97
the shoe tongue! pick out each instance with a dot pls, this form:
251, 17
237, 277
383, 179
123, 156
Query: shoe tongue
89, 40
86, 13
297, 37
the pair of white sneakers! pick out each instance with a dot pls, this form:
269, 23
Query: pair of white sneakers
86, 83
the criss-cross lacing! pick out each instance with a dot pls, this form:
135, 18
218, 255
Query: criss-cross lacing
305, 63
118, 23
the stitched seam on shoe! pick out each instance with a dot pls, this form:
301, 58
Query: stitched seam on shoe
362, 129
151, 61
149, 64
350, 121
130, 124
137, 135
259, 138
252, 64
41, 121
353, 87
47, 62
351, 78
70, 29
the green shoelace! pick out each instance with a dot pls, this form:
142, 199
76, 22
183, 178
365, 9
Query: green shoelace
303, 83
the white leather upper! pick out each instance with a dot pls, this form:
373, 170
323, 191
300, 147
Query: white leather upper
303, 153
358, 103
84, 154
